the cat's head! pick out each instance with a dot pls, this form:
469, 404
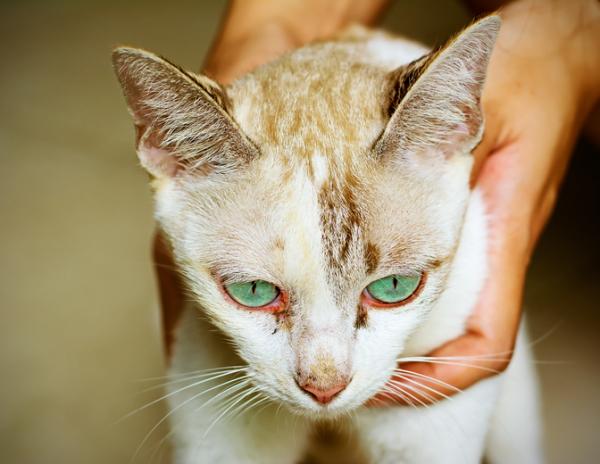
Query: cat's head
315, 205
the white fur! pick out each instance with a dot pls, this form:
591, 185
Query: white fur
452, 431
236, 228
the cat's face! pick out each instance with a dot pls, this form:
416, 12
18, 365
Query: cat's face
315, 206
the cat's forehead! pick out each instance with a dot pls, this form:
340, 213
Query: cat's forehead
282, 224
315, 199
320, 101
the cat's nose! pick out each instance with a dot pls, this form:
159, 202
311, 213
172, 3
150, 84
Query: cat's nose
323, 396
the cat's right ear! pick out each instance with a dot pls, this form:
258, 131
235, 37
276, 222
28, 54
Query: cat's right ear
181, 119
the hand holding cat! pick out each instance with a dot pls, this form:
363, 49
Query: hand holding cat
538, 93
540, 88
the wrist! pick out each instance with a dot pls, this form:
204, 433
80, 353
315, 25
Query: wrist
235, 54
256, 31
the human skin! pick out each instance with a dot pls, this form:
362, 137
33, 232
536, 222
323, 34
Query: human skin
543, 81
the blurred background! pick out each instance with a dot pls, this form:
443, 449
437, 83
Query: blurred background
79, 323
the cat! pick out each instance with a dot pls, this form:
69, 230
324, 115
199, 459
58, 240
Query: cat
320, 211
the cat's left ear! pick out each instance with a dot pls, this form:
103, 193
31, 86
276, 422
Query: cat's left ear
435, 101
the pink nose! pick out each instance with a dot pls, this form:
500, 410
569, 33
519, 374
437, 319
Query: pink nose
323, 396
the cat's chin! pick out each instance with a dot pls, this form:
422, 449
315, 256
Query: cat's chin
331, 412
351, 400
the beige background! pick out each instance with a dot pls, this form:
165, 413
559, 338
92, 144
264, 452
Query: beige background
79, 324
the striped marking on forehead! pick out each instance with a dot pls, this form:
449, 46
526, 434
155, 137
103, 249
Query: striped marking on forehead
346, 251
341, 221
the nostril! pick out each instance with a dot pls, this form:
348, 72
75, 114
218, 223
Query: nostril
324, 396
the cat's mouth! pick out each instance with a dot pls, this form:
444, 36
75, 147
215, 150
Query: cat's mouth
323, 404
320, 412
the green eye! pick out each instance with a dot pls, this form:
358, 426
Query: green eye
394, 288
254, 294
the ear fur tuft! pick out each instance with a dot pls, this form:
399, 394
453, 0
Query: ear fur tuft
181, 119
435, 103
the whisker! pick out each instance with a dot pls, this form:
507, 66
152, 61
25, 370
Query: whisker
249, 392
224, 393
490, 358
245, 407
171, 411
395, 394
212, 369
418, 400
419, 391
242, 383
423, 393
192, 377
167, 395
269, 403
434, 360
405, 372
544, 336
378, 400
159, 446
182, 374
230, 398
388, 392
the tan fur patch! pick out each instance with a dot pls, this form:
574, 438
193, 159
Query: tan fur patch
362, 317
323, 372
371, 257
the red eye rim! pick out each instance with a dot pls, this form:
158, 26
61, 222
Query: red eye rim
278, 305
368, 300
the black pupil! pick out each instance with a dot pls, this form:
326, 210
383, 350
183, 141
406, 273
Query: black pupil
395, 283
254, 287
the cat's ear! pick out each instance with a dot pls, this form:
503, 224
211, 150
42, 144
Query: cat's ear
182, 122
435, 101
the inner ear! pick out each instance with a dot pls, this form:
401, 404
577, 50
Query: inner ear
434, 102
158, 161
182, 120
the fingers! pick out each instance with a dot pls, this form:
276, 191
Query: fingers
445, 372
255, 32
533, 115
230, 57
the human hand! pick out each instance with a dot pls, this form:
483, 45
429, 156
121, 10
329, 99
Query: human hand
254, 32
542, 82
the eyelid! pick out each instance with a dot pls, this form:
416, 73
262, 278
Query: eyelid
392, 267
228, 278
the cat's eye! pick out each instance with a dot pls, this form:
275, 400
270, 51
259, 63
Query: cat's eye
253, 294
392, 290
